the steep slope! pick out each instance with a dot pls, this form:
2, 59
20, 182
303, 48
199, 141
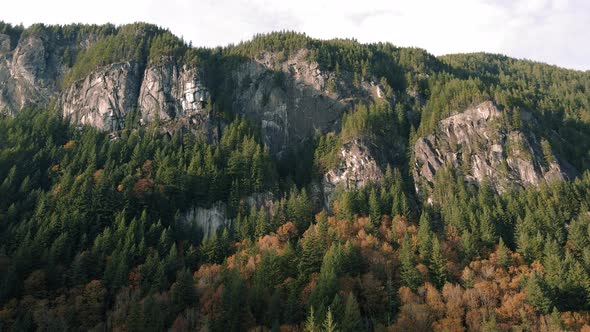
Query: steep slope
356, 169
28, 73
294, 98
104, 98
478, 143
144, 72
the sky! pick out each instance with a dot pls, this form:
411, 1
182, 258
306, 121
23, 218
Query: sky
552, 31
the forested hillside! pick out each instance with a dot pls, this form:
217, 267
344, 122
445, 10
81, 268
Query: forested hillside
333, 231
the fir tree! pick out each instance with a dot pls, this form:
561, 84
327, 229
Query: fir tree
310, 323
329, 325
424, 236
351, 320
410, 276
437, 265
374, 210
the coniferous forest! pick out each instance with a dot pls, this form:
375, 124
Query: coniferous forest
94, 234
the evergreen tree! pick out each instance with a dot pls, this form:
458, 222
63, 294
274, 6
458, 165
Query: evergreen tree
183, 291
152, 315
410, 276
468, 246
424, 236
310, 323
261, 223
437, 266
345, 206
135, 319
536, 294
503, 255
329, 325
312, 253
374, 210
352, 321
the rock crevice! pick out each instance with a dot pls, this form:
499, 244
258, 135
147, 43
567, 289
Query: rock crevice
477, 143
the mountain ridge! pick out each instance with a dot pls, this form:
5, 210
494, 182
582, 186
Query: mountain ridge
285, 183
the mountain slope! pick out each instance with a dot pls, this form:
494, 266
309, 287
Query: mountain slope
286, 183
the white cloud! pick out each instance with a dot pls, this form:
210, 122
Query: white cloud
552, 31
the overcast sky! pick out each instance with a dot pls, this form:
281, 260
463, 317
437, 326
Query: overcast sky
552, 31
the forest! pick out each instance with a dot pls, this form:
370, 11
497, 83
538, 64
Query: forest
93, 233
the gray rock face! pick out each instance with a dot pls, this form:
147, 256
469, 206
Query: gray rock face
168, 92
293, 98
214, 217
164, 93
475, 143
104, 98
357, 169
208, 219
27, 74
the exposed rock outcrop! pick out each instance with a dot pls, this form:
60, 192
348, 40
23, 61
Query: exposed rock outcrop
214, 217
292, 98
166, 93
477, 143
27, 73
357, 168
104, 98
208, 219
169, 91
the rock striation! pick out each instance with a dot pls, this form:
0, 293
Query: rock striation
209, 219
289, 97
104, 98
357, 168
293, 98
477, 143
27, 73
169, 91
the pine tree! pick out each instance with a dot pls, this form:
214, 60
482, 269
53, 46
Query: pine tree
293, 310
329, 324
152, 313
437, 266
467, 246
503, 256
345, 206
310, 324
410, 276
556, 321
337, 308
374, 210
261, 223
312, 253
424, 236
135, 320
536, 294
486, 229
352, 320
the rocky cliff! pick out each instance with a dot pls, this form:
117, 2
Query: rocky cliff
166, 93
169, 91
477, 143
104, 98
288, 94
27, 73
293, 98
357, 168
212, 218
